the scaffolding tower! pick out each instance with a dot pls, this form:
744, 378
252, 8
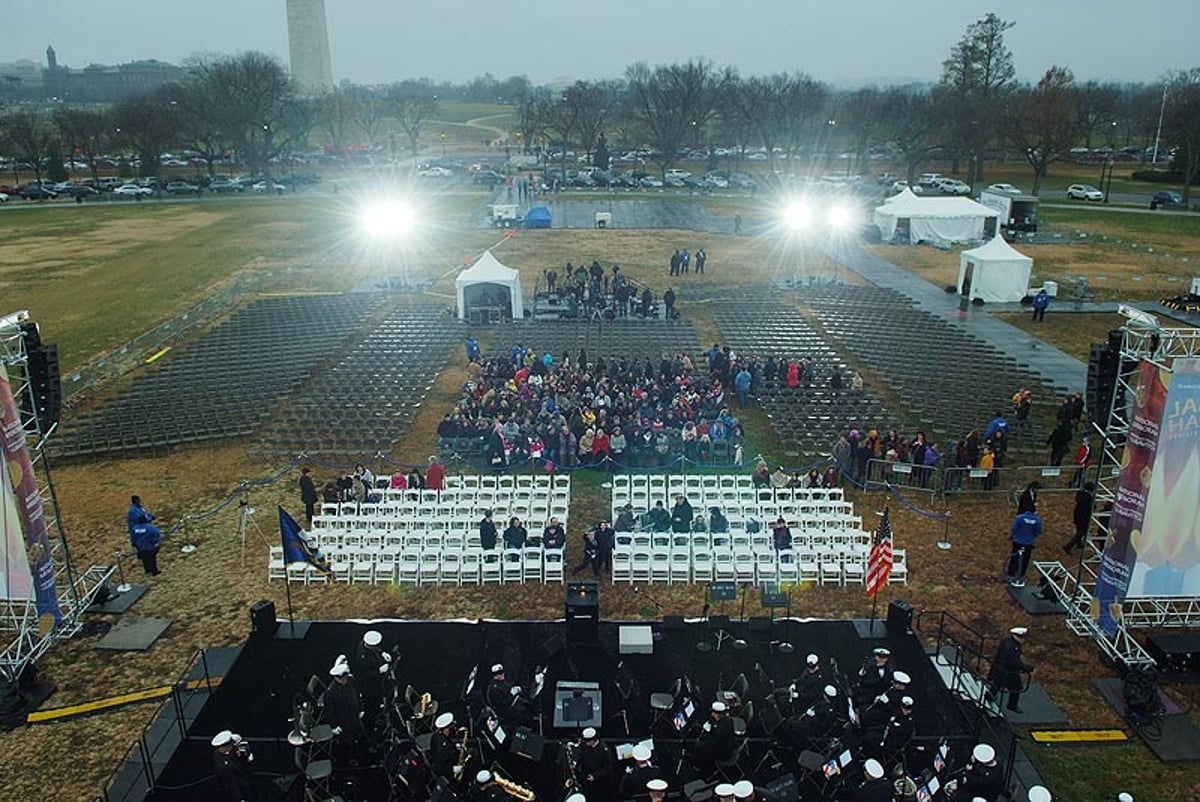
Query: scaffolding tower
1142, 340
24, 636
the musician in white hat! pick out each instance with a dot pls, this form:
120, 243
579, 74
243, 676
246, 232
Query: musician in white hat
370, 666
982, 778
1040, 793
886, 704
806, 689
595, 768
509, 703
487, 790
641, 772
874, 677
1007, 666
443, 749
724, 792
717, 743
231, 759
657, 789
876, 787
342, 709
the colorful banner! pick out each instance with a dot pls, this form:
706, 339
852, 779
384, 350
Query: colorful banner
1129, 506
16, 581
28, 501
1168, 546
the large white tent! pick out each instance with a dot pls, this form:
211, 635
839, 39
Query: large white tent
941, 220
489, 285
996, 272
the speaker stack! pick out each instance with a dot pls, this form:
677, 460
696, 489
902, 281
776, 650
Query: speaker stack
1104, 363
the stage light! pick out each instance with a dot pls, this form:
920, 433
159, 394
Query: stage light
387, 219
840, 217
796, 215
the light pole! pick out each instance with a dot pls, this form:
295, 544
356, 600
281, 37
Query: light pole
442, 136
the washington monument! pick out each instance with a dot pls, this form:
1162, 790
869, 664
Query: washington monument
308, 46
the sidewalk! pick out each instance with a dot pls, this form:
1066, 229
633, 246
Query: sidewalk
1066, 373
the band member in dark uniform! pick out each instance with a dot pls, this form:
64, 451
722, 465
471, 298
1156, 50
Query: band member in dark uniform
231, 765
799, 731
507, 701
874, 677
807, 688
886, 740
877, 788
717, 743
886, 704
342, 709
640, 773
486, 789
443, 751
1007, 666
982, 779
594, 767
370, 667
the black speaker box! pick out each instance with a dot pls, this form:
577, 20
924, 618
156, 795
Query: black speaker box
583, 613
263, 622
528, 744
900, 616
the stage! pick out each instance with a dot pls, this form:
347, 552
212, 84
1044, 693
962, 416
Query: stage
256, 694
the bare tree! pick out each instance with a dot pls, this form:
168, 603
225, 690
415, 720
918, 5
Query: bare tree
913, 127
411, 104
336, 114
672, 101
532, 104
85, 131
863, 116
149, 124
1097, 109
1045, 121
976, 78
370, 112
32, 135
593, 104
1182, 121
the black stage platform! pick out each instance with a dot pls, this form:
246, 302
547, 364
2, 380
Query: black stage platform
256, 695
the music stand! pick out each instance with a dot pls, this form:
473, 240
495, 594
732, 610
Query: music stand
719, 592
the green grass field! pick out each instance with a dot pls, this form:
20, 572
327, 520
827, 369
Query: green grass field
95, 276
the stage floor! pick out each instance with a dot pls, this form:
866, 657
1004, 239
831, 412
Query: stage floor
256, 694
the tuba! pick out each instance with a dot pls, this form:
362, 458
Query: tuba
517, 792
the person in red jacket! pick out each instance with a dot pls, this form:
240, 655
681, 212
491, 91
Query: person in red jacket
1083, 460
435, 477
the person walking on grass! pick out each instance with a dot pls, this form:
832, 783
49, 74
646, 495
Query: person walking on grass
1041, 302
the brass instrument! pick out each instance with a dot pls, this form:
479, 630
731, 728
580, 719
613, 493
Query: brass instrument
518, 792
460, 765
571, 757
424, 705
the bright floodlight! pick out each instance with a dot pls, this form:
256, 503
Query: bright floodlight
840, 217
796, 215
387, 219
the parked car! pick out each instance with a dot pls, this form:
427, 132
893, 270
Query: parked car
79, 191
952, 186
434, 172
35, 192
898, 186
1008, 189
1168, 198
182, 188
717, 180
675, 173
223, 185
3, 197
489, 177
132, 191
1084, 192
649, 182
930, 179
269, 186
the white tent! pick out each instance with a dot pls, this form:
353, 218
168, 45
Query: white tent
995, 272
489, 285
942, 220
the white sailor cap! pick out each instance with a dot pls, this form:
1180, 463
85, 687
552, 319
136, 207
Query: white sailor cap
1124, 796
983, 753
576, 797
718, 707
1021, 632
743, 789
882, 652
498, 668
813, 659
223, 737
1039, 793
656, 785
906, 701
873, 769
373, 637
830, 691
589, 733
339, 669
484, 776
444, 720
641, 753
723, 790
901, 677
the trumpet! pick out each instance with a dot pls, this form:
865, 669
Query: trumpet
516, 791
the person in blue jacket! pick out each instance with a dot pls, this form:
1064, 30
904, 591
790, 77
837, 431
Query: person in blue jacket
1025, 530
144, 535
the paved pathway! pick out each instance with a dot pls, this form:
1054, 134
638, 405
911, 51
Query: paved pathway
1065, 372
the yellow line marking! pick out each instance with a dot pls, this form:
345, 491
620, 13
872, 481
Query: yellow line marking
111, 702
157, 354
1078, 736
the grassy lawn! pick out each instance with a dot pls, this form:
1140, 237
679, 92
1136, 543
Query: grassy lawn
1071, 332
96, 276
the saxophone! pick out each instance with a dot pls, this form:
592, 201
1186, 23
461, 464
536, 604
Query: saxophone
517, 792
571, 755
424, 705
463, 756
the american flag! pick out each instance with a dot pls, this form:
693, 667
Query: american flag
879, 561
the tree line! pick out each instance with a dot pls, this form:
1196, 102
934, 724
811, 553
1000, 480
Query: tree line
246, 107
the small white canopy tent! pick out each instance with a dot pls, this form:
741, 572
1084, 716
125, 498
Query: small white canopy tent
487, 283
995, 272
942, 220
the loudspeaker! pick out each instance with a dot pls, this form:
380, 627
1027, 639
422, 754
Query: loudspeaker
263, 622
43, 395
583, 613
528, 744
900, 615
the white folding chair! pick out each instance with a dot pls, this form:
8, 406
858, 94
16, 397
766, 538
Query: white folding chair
430, 571
490, 570
810, 569
640, 566
702, 566
743, 566
831, 568
511, 568
386, 564
723, 568
787, 568
622, 566
409, 570
553, 561
470, 567
531, 571
660, 565
681, 566
363, 569
276, 568
765, 567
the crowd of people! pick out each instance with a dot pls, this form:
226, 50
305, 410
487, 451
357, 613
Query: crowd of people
591, 291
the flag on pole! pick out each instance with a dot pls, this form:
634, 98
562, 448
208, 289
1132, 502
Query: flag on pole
297, 548
879, 561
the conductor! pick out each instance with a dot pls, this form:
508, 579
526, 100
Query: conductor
507, 700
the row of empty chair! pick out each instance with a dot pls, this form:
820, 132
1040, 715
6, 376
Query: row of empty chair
424, 566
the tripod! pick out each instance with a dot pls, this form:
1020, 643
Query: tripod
246, 519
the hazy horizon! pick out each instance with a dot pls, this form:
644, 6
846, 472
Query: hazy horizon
375, 41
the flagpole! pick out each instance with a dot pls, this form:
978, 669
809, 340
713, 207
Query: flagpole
874, 607
287, 586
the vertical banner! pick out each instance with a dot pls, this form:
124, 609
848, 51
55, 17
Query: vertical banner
1133, 486
1168, 546
28, 501
16, 581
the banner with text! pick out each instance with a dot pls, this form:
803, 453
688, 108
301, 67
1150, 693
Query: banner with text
28, 499
1129, 506
1168, 545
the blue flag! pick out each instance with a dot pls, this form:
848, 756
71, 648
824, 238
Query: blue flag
296, 547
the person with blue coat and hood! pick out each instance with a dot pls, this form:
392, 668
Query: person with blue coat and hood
144, 536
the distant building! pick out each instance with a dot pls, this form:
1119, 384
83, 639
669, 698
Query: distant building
102, 83
21, 79
308, 46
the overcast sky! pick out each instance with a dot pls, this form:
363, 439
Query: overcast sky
844, 42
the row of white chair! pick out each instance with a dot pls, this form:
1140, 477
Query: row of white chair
465, 518
832, 567
677, 483
822, 540
470, 566
394, 509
